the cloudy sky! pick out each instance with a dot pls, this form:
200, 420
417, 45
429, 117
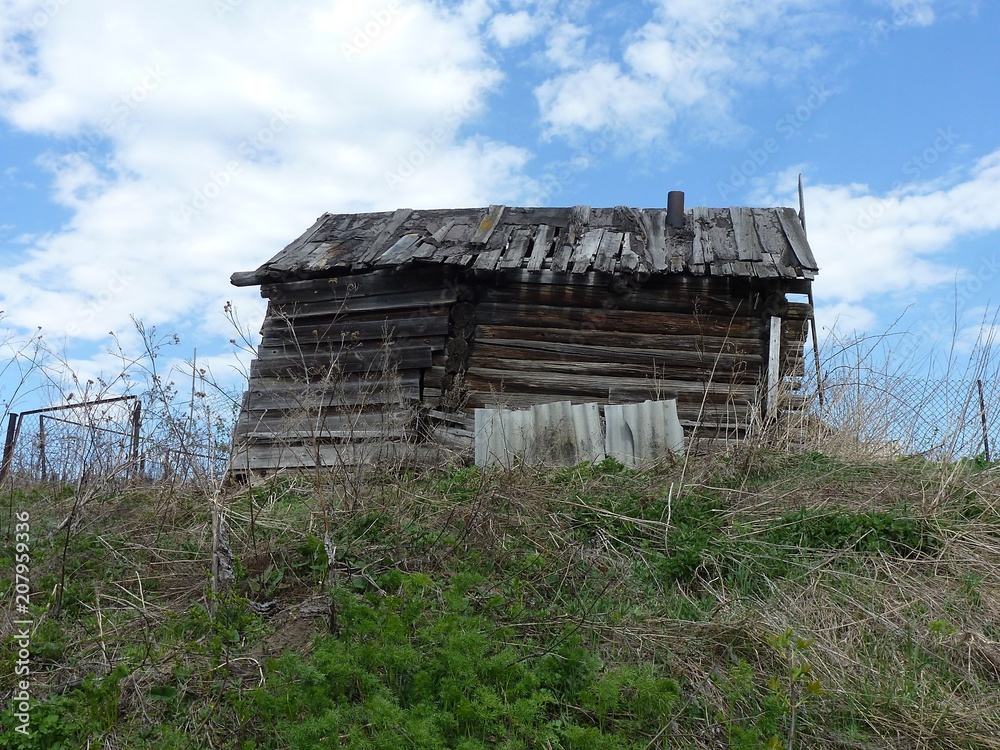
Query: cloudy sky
148, 150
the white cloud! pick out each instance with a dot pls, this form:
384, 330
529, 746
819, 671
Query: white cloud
693, 57
509, 29
872, 246
195, 139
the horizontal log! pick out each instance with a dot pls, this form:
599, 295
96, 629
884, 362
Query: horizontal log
312, 422
503, 381
357, 285
275, 366
288, 394
339, 352
739, 327
279, 331
264, 458
490, 358
591, 337
646, 298
561, 352
423, 301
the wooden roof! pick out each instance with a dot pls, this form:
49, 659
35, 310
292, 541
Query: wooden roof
737, 241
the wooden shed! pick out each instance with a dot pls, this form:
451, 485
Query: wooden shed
384, 331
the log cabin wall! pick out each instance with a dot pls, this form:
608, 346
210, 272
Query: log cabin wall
385, 331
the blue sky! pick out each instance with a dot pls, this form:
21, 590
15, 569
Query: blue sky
149, 150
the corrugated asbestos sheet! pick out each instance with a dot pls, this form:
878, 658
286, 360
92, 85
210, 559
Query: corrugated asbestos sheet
737, 241
556, 434
563, 434
639, 433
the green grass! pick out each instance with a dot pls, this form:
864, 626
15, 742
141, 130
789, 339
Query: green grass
591, 607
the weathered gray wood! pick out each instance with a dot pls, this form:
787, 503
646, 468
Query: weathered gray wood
797, 239
268, 458
504, 381
287, 258
488, 225
654, 227
540, 248
583, 319
399, 216
648, 298
400, 252
773, 366
612, 335
630, 256
745, 234
383, 281
608, 252
348, 361
419, 300
404, 329
520, 241
575, 354
585, 251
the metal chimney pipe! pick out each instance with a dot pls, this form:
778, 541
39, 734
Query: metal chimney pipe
675, 209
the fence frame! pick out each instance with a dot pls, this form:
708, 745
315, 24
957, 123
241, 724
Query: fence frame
15, 421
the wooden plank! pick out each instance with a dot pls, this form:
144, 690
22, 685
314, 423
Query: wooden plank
399, 216
557, 351
423, 299
298, 396
679, 321
527, 382
773, 366
288, 257
610, 335
520, 241
488, 225
383, 281
400, 252
273, 458
509, 360
745, 233
654, 225
608, 252
630, 256
651, 297
797, 239
488, 255
773, 241
701, 248
540, 248
277, 332
585, 251
317, 365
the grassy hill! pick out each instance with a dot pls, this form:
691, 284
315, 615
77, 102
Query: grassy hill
769, 600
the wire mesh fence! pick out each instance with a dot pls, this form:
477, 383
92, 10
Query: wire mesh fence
107, 440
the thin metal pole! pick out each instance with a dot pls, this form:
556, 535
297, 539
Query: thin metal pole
13, 428
41, 446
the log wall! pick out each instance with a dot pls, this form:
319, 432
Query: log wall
406, 356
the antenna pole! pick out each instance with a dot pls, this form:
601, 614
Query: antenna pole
802, 205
